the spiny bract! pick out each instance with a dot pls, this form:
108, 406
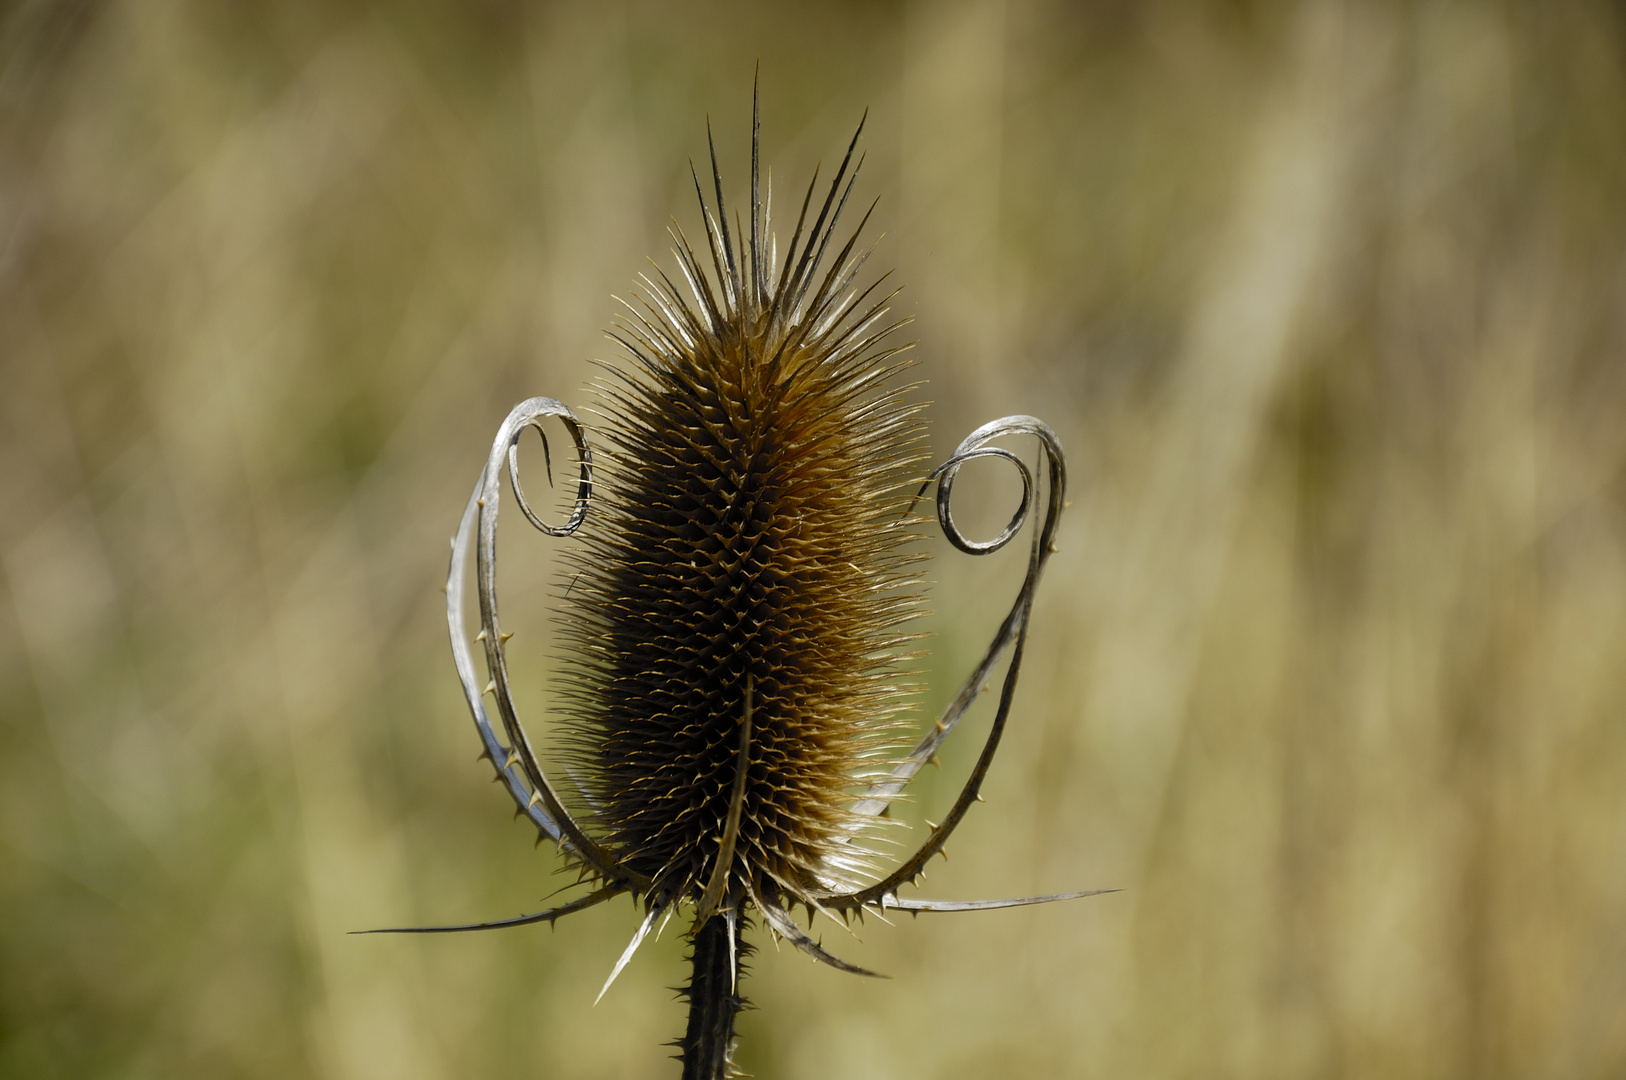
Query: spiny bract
738, 601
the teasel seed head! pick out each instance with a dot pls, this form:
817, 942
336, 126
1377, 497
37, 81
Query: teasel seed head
735, 616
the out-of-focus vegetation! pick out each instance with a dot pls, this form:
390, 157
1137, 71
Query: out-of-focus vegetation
1327, 301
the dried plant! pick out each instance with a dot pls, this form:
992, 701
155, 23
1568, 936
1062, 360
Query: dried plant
734, 620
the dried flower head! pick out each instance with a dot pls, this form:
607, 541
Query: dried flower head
734, 621
735, 614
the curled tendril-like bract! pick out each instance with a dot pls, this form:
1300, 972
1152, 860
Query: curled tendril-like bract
1011, 635
522, 774
516, 761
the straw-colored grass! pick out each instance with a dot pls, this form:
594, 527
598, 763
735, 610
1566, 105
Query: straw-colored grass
1327, 303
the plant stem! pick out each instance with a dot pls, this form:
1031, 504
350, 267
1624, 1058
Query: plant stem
714, 999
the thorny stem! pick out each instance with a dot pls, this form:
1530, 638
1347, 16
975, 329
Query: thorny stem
714, 998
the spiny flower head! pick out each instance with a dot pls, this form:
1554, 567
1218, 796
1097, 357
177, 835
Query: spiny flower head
735, 613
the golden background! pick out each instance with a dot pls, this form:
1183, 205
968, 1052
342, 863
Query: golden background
1327, 302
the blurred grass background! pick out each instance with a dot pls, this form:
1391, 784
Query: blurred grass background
1327, 301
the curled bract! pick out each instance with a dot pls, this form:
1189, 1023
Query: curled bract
534, 795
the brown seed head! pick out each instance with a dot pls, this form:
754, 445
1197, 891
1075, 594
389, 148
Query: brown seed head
735, 612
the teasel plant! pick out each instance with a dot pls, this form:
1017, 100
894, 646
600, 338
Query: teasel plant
735, 696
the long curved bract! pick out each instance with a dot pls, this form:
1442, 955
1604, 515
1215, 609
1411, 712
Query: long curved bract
1011, 635
521, 772
581, 903
517, 764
